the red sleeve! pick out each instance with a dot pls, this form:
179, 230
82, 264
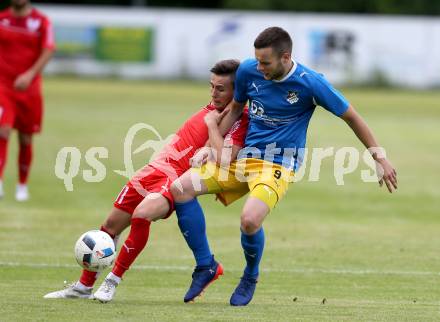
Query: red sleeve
48, 38
237, 133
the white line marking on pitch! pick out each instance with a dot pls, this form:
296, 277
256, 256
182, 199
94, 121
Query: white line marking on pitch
298, 270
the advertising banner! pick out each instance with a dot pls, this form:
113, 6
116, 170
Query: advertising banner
152, 43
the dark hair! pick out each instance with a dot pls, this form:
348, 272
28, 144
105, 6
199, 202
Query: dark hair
274, 37
226, 67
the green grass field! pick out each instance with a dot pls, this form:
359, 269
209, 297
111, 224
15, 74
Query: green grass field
372, 256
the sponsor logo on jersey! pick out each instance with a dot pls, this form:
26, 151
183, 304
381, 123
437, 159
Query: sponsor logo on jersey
292, 97
33, 24
5, 22
257, 108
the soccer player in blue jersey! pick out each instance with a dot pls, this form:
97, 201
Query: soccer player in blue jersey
282, 95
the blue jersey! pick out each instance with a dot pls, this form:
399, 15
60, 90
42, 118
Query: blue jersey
280, 111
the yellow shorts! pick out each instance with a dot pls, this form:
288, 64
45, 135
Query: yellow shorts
242, 176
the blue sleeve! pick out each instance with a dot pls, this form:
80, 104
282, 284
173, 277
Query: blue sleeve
328, 97
240, 89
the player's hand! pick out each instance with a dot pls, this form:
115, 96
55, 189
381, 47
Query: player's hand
201, 157
23, 81
214, 117
387, 174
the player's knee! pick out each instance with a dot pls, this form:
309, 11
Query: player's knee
5, 132
24, 139
249, 223
175, 190
116, 222
151, 211
141, 212
180, 192
111, 225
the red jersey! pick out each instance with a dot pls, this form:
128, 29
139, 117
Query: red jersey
22, 40
174, 158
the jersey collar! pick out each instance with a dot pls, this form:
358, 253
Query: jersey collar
290, 73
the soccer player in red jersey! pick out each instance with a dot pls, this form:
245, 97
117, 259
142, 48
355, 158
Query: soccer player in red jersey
147, 197
26, 45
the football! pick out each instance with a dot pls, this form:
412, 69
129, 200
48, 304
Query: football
95, 250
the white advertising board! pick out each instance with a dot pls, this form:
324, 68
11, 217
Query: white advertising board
152, 43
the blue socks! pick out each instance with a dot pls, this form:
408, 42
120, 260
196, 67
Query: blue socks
253, 246
192, 225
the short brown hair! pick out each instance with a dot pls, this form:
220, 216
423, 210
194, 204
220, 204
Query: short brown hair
226, 67
276, 38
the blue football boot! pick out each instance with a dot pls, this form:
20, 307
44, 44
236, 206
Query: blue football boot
244, 292
201, 278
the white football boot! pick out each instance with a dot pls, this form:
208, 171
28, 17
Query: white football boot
107, 290
72, 291
2, 193
21, 193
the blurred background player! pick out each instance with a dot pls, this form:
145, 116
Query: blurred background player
26, 45
147, 197
282, 95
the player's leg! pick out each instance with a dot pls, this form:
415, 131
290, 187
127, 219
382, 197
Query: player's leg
116, 222
7, 119
267, 188
254, 212
24, 165
153, 207
28, 122
191, 220
5, 133
190, 215
114, 225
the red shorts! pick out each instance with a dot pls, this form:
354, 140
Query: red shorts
138, 188
21, 110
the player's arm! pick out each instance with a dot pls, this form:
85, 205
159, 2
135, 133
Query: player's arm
236, 106
234, 109
224, 150
23, 81
365, 135
218, 126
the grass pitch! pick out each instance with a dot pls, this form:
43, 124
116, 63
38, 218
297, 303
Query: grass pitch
333, 253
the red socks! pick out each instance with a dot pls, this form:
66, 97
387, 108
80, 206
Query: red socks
24, 162
88, 278
3, 155
24, 159
134, 244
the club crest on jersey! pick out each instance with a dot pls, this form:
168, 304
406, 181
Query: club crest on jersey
33, 24
292, 97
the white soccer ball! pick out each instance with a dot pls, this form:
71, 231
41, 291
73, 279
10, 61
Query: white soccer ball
95, 251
